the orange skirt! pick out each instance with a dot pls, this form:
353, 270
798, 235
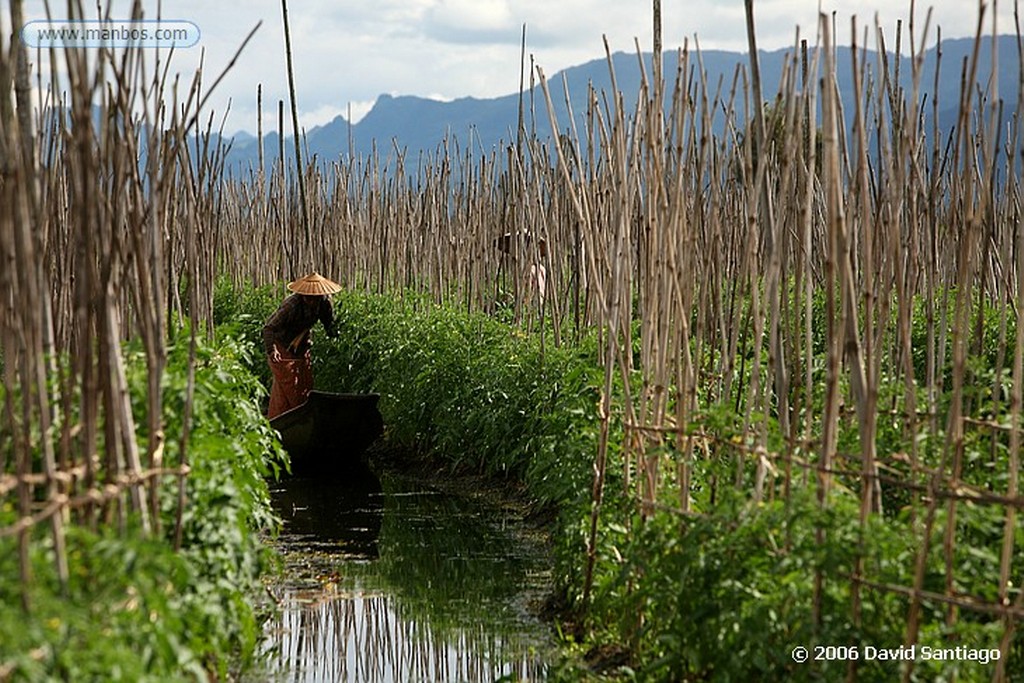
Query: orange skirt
293, 380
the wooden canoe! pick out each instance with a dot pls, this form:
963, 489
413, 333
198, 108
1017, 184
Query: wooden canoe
329, 431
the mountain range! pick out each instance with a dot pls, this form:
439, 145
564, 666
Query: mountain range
416, 126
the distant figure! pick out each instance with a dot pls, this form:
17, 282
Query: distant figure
535, 275
538, 281
286, 340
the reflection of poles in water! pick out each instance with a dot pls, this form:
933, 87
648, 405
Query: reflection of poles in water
343, 629
331, 637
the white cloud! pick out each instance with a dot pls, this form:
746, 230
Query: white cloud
325, 113
357, 110
354, 50
472, 15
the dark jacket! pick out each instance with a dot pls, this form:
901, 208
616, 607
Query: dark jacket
289, 326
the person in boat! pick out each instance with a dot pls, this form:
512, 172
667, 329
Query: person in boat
287, 342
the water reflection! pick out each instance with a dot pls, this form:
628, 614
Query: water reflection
340, 515
389, 582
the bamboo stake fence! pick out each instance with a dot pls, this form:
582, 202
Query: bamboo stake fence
102, 223
784, 268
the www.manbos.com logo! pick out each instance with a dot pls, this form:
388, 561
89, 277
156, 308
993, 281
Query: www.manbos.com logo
53, 33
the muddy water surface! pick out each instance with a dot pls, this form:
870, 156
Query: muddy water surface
388, 580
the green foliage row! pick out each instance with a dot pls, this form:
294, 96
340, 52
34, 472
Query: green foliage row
728, 596
134, 609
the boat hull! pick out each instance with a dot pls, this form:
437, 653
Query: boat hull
330, 432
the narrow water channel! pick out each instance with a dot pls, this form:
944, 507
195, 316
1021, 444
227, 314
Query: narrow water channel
388, 580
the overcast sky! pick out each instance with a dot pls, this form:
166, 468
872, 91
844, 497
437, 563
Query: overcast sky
348, 52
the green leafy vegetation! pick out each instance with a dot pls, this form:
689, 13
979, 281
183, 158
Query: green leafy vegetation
726, 592
723, 593
134, 608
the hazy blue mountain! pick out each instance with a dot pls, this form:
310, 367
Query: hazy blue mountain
415, 125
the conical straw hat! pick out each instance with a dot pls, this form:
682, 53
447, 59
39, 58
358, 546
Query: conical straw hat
314, 284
